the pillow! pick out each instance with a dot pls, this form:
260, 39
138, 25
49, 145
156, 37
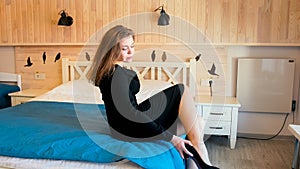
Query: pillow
81, 91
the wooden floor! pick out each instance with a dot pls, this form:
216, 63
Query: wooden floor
251, 154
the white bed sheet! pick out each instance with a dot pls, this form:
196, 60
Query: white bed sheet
80, 91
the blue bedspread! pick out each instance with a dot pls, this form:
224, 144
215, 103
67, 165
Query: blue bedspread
67, 131
5, 89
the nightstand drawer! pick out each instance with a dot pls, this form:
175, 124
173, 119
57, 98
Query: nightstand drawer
217, 127
217, 113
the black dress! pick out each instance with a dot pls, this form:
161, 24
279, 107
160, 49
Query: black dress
153, 119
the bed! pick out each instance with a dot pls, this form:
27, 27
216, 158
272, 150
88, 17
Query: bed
9, 82
66, 127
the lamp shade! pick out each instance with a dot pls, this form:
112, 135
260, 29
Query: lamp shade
163, 19
65, 20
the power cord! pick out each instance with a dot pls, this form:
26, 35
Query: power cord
210, 86
271, 136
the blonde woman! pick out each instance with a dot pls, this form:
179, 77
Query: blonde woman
156, 118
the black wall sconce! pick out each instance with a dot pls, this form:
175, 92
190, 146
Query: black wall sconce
164, 18
65, 20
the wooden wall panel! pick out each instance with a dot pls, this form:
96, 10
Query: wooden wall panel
7, 64
34, 22
50, 68
31, 26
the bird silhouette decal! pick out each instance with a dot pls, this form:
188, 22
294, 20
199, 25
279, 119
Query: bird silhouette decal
198, 57
29, 63
164, 56
57, 57
44, 57
87, 56
153, 55
212, 71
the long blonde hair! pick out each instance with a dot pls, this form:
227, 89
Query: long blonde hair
107, 53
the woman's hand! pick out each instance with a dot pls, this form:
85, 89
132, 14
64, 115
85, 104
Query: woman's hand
179, 144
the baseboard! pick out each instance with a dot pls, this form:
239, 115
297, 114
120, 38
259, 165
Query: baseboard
263, 136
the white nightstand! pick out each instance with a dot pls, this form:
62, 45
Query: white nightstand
25, 95
220, 114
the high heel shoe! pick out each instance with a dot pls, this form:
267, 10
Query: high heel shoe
197, 159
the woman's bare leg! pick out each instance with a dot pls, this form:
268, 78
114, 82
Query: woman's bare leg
193, 124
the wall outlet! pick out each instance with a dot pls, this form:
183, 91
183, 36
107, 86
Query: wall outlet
39, 76
205, 81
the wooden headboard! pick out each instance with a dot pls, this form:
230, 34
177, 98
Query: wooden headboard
11, 78
173, 72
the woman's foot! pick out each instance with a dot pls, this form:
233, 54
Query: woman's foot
202, 151
197, 159
201, 154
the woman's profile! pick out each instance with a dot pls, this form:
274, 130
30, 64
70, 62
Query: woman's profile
157, 117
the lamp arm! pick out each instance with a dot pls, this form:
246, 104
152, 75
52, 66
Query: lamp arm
62, 11
159, 8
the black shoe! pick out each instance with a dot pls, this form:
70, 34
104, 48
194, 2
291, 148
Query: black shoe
197, 159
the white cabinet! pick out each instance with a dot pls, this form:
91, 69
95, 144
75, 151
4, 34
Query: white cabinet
220, 114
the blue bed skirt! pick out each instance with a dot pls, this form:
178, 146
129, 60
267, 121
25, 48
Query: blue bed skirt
77, 132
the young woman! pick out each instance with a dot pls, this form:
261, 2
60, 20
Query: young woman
155, 118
